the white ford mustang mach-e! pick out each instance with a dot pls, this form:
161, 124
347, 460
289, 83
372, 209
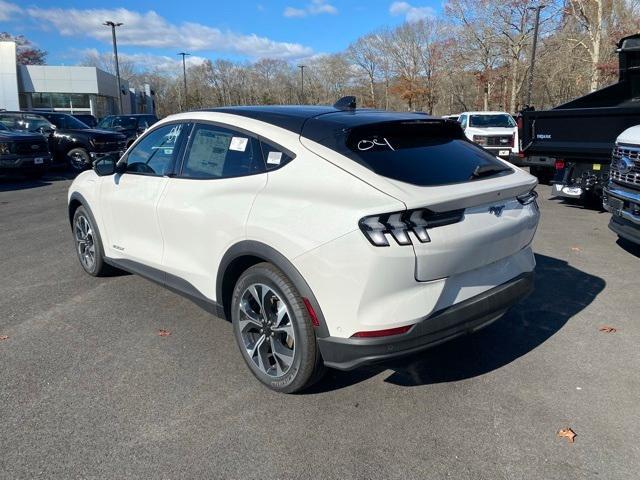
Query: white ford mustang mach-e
328, 236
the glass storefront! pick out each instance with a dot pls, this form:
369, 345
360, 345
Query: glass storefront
98, 105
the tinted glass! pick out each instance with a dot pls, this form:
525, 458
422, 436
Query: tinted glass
154, 154
125, 122
424, 154
105, 122
2, 127
216, 152
274, 156
66, 121
486, 121
24, 122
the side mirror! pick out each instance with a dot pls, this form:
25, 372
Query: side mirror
108, 165
46, 130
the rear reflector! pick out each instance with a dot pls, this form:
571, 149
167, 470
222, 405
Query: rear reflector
559, 164
312, 313
382, 333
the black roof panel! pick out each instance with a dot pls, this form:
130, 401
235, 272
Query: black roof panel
317, 121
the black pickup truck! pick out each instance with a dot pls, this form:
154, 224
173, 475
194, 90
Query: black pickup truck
21, 152
571, 144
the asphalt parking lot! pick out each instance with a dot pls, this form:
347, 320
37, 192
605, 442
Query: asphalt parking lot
89, 390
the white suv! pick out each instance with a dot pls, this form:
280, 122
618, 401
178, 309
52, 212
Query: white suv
327, 236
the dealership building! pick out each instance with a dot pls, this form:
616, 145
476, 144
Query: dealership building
66, 89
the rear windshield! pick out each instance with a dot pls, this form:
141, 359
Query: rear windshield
486, 121
426, 153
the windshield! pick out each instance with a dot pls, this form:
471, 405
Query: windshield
420, 153
498, 120
67, 121
24, 122
125, 122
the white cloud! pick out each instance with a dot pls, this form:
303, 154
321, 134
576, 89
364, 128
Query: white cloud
149, 29
316, 7
7, 10
411, 13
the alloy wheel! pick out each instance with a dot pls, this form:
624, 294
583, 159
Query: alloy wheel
78, 161
266, 328
85, 242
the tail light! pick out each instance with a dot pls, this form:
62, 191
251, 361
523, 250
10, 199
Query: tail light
398, 225
559, 164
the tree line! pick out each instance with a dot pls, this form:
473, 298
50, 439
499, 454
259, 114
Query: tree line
475, 56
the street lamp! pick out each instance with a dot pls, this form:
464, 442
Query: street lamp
302, 67
184, 76
533, 50
113, 26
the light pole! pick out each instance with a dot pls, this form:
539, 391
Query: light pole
184, 76
113, 26
533, 50
302, 67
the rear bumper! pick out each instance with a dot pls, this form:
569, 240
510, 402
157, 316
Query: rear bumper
458, 319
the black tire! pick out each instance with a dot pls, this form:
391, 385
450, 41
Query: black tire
306, 368
97, 268
78, 159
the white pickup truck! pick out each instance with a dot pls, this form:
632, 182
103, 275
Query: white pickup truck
496, 132
621, 195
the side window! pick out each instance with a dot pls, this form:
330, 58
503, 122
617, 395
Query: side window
463, 121
35, 122
273, 155
155, 153
105, 122
217, 152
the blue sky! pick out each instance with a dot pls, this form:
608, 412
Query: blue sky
236, 29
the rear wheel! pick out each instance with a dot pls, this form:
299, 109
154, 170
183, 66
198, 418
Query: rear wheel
273, 330
79, 159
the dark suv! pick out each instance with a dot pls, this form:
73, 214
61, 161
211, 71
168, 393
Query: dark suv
131, 126
79, 144
23, 152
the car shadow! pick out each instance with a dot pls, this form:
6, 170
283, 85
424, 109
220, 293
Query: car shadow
629, 247
561, 291
24, 182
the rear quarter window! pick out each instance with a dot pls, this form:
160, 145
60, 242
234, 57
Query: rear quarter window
424, 153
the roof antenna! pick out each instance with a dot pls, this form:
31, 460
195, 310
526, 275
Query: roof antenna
346, 103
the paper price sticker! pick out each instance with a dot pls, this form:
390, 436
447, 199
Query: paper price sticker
239, 144
274, 158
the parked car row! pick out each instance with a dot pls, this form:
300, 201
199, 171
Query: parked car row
32, 142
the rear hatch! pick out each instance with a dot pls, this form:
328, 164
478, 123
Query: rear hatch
431, 167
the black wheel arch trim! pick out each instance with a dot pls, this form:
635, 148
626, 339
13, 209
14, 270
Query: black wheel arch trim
77, 197
252, 248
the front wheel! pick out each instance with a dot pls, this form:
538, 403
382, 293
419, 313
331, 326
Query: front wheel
89, 244
273, 330
79, 159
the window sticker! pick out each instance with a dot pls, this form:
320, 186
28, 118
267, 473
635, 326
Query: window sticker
274, 158
239, 144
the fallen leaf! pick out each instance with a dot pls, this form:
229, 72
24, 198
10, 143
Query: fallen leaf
3, 337
164, 333
576, 249
567, 433
608, 329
